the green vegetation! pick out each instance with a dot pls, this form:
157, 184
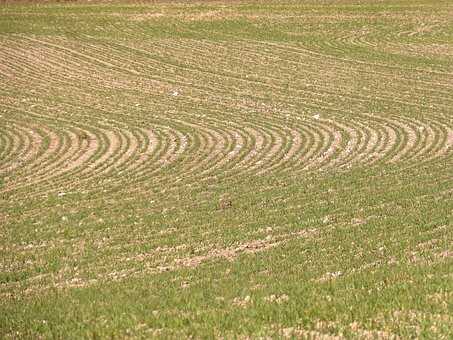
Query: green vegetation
235, 169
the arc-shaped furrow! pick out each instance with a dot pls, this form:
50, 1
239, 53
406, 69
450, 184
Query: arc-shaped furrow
390, 96
234, 150
6, 72
411, 135
17, 147
261, 143
33, 146
171, 143
447, 143
203, 144
157, 70
12, 145
79, 70
426, 138
95, 149
160, 151
377, 142
57, 146
166, 146
393, 138
357, 38
68, 168
160, 146
126, 148
146, 142
330, 141
5, 143
343, 69
238, 146
197, 144
103, 52
107, 146
36, 68
190, 68
312, 143
67, 153
365, 142
369, 139
281, 144
39, 57
332, 58
128, 161
219, 142
182, 74
435, 139
7, 148
408, 139
177, 144
70, 161
440, 142
347, 141
99, 60
275, 143
82, 147
215, 158
83, 68
119, 50
356, 98
294, 149
324, 161
264, 81
114, 147
186, 52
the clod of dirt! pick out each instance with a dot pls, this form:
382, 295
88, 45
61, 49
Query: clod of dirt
83, 136
225, 203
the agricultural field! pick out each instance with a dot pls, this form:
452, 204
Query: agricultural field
233, 169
